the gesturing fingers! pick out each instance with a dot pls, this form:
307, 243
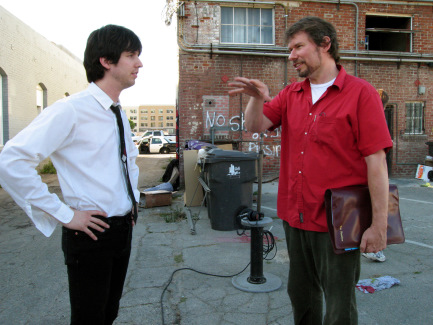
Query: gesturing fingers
243, 85
252, 87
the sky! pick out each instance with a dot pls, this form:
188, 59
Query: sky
69, 23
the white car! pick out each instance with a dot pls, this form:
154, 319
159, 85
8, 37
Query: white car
156, 145
134, 137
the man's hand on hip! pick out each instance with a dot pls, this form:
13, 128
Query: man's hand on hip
84, 220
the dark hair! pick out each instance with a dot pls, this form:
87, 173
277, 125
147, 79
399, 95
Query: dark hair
107, 42
317, 29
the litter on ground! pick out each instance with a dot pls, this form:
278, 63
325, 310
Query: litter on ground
376, 284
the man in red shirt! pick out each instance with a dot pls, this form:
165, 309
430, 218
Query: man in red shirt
334, 134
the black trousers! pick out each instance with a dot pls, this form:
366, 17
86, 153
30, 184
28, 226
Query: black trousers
97, 270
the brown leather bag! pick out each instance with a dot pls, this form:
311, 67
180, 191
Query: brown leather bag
349, 214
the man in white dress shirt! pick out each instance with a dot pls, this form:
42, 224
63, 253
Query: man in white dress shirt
81, 136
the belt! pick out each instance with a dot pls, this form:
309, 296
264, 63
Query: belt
116, 220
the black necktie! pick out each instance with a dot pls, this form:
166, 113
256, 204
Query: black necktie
123, 157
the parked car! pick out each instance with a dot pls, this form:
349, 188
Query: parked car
156, 145
159, 133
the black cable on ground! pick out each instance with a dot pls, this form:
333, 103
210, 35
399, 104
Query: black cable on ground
267, 248
190, 269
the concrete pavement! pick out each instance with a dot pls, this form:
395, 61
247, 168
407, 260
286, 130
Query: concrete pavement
34, 283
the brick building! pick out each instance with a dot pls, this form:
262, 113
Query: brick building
152, 117
34, 73
387, 43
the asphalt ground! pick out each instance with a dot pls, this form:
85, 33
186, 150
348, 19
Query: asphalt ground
33, 281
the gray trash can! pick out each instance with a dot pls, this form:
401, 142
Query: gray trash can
229, 175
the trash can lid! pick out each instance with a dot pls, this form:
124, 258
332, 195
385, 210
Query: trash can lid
219, 155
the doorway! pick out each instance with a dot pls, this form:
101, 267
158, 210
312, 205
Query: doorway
389, 117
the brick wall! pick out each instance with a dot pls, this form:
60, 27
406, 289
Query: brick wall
204, 76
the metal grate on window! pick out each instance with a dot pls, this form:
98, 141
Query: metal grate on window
414, 118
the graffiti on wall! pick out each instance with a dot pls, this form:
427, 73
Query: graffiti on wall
235, 123
216, 118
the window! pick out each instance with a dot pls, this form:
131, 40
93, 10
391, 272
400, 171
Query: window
247, 25
388, 33
160, 118
152, 111
2, 105
161, 111
152, 125
169, 124
160, 124
169, 111
169, 117
414, 118
41, 97
156, 141
152, 118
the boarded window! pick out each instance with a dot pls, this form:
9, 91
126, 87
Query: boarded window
388, 33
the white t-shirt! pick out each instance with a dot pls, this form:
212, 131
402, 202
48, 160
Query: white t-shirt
318, 90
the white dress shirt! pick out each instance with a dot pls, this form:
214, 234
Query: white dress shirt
80, 135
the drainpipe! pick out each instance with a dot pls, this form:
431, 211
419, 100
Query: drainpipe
204, 50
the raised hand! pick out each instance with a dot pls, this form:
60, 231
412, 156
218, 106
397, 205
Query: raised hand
252, 87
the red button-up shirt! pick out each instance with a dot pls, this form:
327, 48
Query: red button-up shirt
323, 145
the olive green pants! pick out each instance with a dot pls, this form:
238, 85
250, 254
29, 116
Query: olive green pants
316, 271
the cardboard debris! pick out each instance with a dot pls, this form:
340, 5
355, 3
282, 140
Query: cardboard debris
422, 172
157, 198
193, 191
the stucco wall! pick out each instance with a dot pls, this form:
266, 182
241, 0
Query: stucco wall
26, 60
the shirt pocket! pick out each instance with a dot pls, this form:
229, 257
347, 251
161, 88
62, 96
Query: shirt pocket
324, 130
